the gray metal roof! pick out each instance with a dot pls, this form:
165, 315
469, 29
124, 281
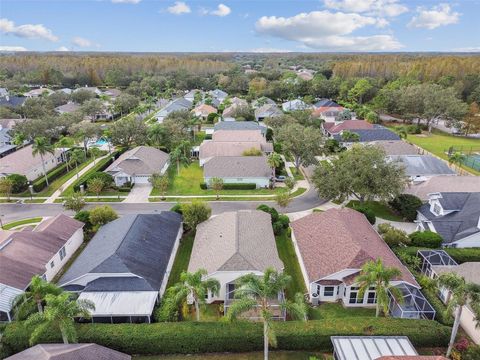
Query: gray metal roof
371, 347
376, 134
140, 244
239, 125
423, 165
237, 167
118, 284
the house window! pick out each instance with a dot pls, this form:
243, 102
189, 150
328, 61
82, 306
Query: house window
63, 253
230, 291
437, 209
328, 291
52, 264
371, 297
44, 277
354, 298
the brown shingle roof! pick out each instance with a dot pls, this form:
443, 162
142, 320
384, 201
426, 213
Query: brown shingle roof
235, 241
397, 147
349, 125
237, 167
339, 239
444, 183
22, 161
142, 160
210, 149
238, 135
26, 253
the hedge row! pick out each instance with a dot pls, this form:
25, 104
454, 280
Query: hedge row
203, 337
99, 166
40, 183
233, 186
460, 255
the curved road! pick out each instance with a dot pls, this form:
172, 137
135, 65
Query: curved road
12, 212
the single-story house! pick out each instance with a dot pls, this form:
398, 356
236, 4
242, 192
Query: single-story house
239, 170
23, 162
454, 216
333, 246
295, 105
236, 101
331, 128
218, 94
376, 348
443, 183
262, 101
396, 147
422, 167
329, 114
38, 92
69, 352
125, 266
42, 251
137, 165
174, 105
233, 244
437, 262
203, 110
377, 133
240, 126
67, 108
12, 101
267, 111
112, 93
6, 143
326, 103
190, 96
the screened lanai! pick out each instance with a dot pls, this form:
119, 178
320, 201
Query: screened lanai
431, 258
413, 304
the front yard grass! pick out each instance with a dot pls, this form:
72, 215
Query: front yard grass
331, 311
297, 174
29, 221
381, 210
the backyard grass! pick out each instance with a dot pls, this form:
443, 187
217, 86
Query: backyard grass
287, 254
182, 258
381, 210
329, 311
21, 222
297, 174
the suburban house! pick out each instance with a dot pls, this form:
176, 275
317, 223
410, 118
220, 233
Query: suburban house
67, 91
40, 251
6, 142
454, 216
333, 246
235, 103
239, 170
422, 167
174, 105
69, 352
38, 92
331, 128
295, 105
239, 126
443, 183
233, 244
12, 101
233, 143
267, 111
203, 110
396, 147
137, 165
371, 135
326, 103
92, 89
112, 93
125, 266
328, 110
262, 101
67, 108
437, 262
23, 162
218, 94
190, 96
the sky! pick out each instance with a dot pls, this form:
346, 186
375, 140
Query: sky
240, 25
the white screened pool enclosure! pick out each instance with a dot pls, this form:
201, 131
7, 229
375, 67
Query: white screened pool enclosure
412, 305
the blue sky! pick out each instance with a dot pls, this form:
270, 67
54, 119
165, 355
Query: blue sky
241, 25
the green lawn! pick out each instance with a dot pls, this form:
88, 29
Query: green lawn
329, 311
381, 210
22, 222
92, 200
287, 254
439, 142
182, 258
297, 175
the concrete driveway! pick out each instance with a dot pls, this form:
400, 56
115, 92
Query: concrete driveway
139, 194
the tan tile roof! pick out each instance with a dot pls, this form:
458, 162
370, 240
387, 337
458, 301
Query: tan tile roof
444, 183
22, 161
28, 252
470, 271
204, 109
142, 160
235, 241
237, 167
238, 135
397, 147
210, 149
339, 239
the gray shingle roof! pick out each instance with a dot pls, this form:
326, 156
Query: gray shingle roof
460, 223
67, 108
142, 160
237, 166
118, 284
375, 134
267, 110
326, 103
140, 244
12, 101
235, 241
420, 165
397, 147
239, 125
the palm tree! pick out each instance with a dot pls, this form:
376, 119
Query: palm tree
95, 152
19, 139
253, 291
156, 135
375, 274
41, 146
76, 157
64, 142
180, 156
36, 293
192, 285
274, 160
59, 313
461, 294
456, 159
402, 132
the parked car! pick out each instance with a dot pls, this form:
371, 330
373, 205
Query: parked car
281, 178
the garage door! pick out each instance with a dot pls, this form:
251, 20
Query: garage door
141, 179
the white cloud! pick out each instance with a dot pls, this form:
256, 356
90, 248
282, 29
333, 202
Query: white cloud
179, 8
437, 16
222, 10
12, 48
82, 42
30, 31
390, 8
327, 31
62, 48
126, 1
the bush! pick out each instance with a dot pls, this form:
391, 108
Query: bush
272, 211
427, 239
369, 214
102, 215
107, 179
242, 336
393, 236
277, 228
460, 255
284, 220
472, 353
195, 213
233, 186
383, 228
40, 183
177, 208
19, 183
406, 205
414, 129
99, 167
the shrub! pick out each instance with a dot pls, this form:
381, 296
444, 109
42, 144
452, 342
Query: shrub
406, 205
284, 220
107, 179
40, 183
369, 214
414, 129
195, 213
233, 186
99, 167
272, 211
84, 216
269, 134
472, 353
102, 215
383, 228
19, 183
393, 236
277, 228
177, 208
427, 239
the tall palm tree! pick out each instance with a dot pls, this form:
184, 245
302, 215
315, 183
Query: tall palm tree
41, 146
192, 285
156, 135
77, 156
95, 152
36, 293
274, 160
456, 159
461, 294
375, 274
261, 292
59, 313
402, 132
64, 142
180, 156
